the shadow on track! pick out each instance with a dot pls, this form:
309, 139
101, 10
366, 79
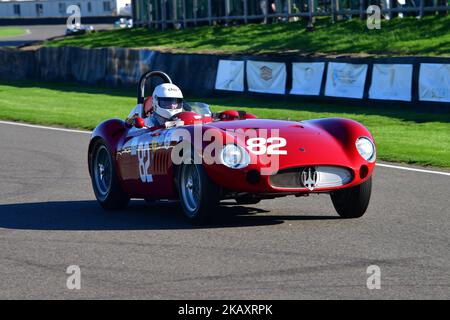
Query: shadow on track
87, 215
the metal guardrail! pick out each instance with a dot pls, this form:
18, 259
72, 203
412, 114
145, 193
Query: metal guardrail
164, 19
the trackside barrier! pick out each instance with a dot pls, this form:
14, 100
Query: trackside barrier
108, 66
412, 81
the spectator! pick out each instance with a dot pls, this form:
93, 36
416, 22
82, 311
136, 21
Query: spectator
300, 5
386, 5
442, 3
267, 7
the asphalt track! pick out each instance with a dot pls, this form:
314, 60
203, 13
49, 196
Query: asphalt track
39, 33
281, 249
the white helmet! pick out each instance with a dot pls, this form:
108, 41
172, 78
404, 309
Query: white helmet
167, 100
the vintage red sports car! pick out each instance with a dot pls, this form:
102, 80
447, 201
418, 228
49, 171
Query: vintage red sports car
202, 158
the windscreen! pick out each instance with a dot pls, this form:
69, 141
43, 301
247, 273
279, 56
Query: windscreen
198, 107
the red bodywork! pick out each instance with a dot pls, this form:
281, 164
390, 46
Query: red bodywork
321, 142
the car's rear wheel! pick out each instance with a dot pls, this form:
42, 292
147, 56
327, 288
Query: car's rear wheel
199, 196
352, 202
106, 185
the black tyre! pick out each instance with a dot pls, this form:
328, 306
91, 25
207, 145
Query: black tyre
352, 202
199, 196
106, 185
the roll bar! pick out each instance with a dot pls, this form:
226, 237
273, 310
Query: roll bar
143, 80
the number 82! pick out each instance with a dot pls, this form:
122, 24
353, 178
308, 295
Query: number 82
259, 146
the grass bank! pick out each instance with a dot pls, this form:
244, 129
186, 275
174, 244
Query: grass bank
429, 36
11, 31
401, 135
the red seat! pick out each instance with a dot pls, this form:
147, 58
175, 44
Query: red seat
148, 106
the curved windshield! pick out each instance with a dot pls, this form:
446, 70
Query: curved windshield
198, 107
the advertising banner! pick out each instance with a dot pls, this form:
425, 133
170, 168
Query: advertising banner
266, 77
346, 80
230, 75
391, 82
307, 78
434, 82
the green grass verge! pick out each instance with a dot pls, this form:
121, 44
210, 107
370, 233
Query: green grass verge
429, 36
401, 135
11, 31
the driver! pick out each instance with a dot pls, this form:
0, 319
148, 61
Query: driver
167, 100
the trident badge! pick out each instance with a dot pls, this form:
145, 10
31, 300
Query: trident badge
309, 178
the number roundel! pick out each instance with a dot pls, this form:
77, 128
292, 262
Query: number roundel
259, 146
144, 158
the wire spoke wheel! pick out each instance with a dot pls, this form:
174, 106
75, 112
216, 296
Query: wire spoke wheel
102, 172
105, 183
191, 188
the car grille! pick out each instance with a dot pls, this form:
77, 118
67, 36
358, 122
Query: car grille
327, 176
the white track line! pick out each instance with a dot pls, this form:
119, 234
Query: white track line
413, 169
43, 127
89, 132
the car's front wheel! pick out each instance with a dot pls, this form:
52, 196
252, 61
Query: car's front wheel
352, 202
106, 185
199, 196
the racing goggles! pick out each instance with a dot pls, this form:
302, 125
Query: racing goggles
170, 103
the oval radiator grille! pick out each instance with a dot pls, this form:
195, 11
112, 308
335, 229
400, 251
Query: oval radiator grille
327, 176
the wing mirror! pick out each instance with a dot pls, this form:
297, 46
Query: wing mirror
139, 122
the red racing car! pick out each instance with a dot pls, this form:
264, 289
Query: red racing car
201, 158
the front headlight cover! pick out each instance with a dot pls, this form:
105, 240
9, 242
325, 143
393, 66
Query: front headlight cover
234, 156
366, 148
